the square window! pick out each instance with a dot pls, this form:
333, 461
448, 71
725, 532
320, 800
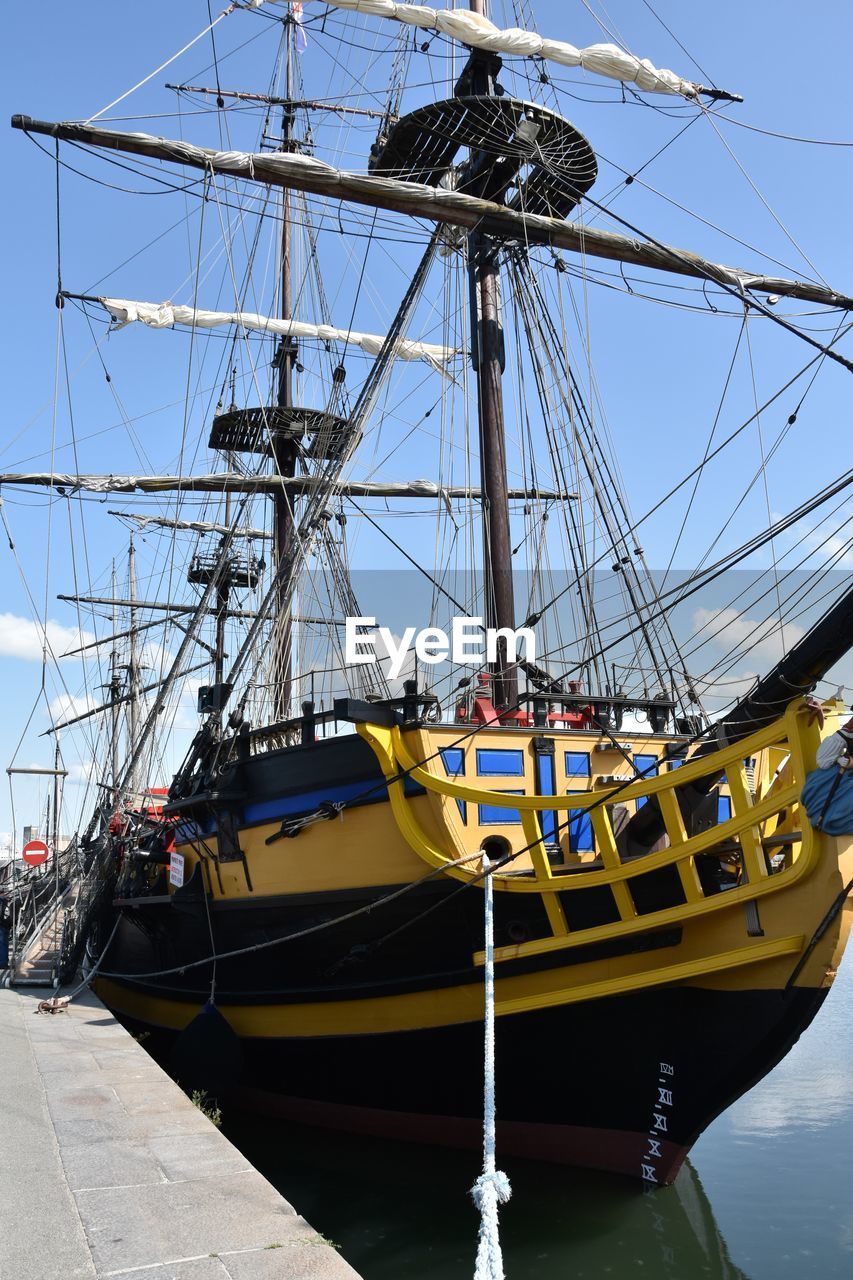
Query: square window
500, 762
494, 815
577, 764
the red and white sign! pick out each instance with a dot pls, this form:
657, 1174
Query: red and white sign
176, 869
35, 852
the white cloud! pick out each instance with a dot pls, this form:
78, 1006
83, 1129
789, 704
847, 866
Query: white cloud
23, 638
780, 1103
186, 712
83, 772
68, 705
832, 547
727, 628
155, 658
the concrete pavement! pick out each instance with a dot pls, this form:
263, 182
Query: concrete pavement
107, 1169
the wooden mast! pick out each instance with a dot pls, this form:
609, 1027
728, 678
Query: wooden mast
284, 450
484, 281
56, 835
223, 593
115, 692
132, 670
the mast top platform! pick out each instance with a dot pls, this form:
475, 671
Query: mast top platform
235, 571
559, 163
259, 430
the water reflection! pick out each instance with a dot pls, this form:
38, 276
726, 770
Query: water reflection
778, 1166
813, 1087
398, 1210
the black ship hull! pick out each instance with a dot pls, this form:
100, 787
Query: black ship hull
636, 998
625, 1084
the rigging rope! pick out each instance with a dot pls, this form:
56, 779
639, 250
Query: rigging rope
690, 475
224, 14
492, 1187
735, 292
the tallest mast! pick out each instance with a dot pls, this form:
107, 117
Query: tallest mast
487, 341
284, 449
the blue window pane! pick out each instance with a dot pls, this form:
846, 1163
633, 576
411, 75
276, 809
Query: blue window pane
724, 808
453, 759
577, 764
675, 764
546, 786
647, 767
580, 828
493, 814
500, 762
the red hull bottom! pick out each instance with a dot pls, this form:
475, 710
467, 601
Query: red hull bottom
608, 1150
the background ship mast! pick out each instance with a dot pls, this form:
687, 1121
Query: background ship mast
133, 682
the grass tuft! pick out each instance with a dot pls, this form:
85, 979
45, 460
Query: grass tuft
199, 1099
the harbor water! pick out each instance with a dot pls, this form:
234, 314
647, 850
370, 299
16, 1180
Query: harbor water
766, 1195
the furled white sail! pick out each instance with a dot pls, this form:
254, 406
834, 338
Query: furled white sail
162, 315
454, 208
475, 30
237, 482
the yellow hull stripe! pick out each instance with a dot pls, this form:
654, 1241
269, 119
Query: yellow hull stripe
446, 1006
659, 977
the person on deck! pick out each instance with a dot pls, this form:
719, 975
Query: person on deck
838, 747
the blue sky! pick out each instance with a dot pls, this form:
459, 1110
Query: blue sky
660, 370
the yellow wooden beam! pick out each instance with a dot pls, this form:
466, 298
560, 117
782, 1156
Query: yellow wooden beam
539, 856
653, 977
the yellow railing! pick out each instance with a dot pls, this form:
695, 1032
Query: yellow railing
752, 823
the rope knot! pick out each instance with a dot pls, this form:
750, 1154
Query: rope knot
491, 1185
330, 809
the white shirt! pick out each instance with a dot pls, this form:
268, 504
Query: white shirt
832, 749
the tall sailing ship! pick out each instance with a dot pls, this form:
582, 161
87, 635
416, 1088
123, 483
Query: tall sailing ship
302, 906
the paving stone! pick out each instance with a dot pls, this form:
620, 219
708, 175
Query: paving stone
128, 1055
185, 1118
201, 1155
81, 1078
302, 1261
48, 1030
144, 1070
156, 1094
110, 1162
184, 1269
77, 1129
89, 1102
128, 1228
56, 1046
77, 1064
